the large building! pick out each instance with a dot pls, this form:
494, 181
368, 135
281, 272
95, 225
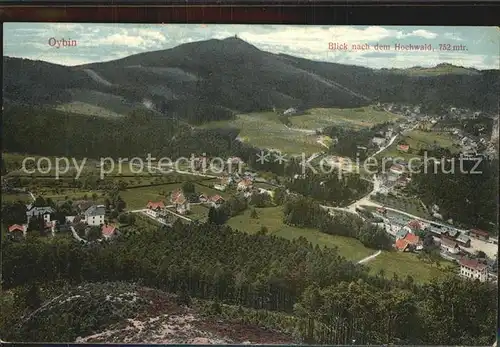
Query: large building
94, 215
473, 269
33, 212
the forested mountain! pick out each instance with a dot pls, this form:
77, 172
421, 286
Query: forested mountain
214, 79
48, 132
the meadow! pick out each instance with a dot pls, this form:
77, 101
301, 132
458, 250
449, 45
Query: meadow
355, 118
402, 264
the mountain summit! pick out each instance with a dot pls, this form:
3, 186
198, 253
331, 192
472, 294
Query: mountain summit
230, 75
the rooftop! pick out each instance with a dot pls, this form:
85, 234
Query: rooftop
17, 227
448, 242
108, 230
472, 264
155, 205
95, 210
412, 238
401, 244
463, 238
479, 232
40, 210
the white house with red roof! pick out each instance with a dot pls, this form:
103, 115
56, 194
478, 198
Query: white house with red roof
473, 269
153, 208
109, 231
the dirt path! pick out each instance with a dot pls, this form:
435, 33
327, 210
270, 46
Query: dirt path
370, 257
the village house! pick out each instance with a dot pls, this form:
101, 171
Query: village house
413, 241
397, 169
17, 231
438, 232
154, 208
480, 234
402, 182
33, 212
473, 269
463, 240
402, 245
69, 219
449, 246
452, 233
216, 200
203, 198
245, 184
180, 202
404, 148
109, 231
94, 215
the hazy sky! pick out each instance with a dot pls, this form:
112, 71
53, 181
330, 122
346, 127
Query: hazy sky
101, 42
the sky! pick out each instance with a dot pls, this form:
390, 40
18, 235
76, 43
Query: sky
104, 42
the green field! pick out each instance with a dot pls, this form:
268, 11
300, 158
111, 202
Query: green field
70, 194
272, 219
427, 138
346, 117
264, 130
419, 139
13, 197
137, 198
196, 213
404, 264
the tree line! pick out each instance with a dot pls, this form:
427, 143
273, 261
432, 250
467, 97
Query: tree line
265, 272
469, 198
305, 212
